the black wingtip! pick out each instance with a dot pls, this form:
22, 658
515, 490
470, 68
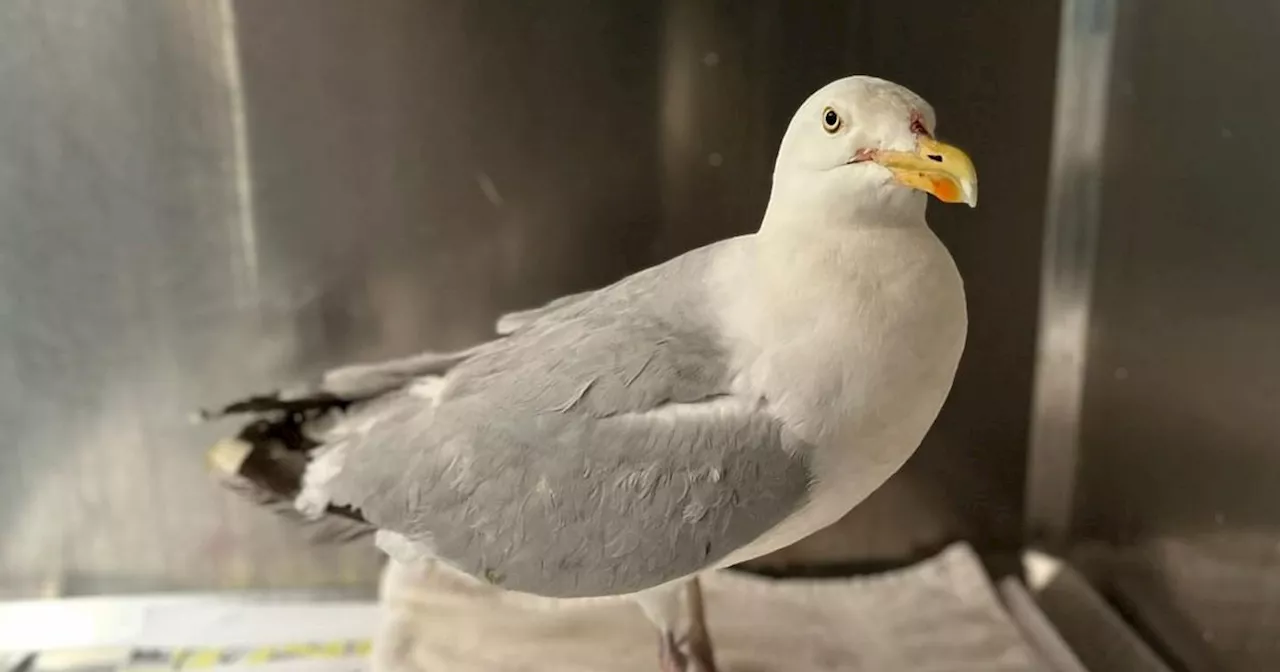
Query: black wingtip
264, 464
274, 403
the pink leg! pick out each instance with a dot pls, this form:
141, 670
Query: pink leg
684, 645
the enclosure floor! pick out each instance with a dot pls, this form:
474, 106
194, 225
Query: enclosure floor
939, 615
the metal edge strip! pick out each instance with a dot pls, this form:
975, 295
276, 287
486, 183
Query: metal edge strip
1037, 628
1098, 635
1067, 263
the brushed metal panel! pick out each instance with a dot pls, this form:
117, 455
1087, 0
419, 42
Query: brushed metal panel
1067, 263
1179, 456
202, 198
130, 291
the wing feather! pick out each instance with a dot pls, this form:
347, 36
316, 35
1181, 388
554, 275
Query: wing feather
600, 452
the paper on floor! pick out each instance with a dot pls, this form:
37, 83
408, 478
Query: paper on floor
941, 615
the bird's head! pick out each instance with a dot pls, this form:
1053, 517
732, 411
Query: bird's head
862, 140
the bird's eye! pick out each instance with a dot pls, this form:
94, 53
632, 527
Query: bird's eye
918, 128
830, 120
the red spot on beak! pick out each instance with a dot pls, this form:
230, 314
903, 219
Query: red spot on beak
945, 190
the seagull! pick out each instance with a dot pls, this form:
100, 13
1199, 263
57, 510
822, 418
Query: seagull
711, 409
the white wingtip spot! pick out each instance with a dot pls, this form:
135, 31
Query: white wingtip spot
228, 455
314, 498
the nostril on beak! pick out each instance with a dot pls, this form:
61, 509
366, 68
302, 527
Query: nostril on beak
935, 157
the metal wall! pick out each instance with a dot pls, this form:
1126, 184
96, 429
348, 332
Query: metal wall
1175, 499
203, 198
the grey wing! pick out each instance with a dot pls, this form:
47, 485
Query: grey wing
600, 453
267, 461
514, 321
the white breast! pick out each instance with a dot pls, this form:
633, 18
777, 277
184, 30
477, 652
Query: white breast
854, 341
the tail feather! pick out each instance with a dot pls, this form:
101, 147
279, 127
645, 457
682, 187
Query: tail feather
265, 465
267, 462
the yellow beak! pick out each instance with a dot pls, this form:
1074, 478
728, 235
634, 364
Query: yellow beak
936, 168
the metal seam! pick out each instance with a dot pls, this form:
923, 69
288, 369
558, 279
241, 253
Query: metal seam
1067, 264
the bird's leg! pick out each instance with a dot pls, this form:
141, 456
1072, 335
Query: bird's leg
670, 657
699, 640
683, 642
